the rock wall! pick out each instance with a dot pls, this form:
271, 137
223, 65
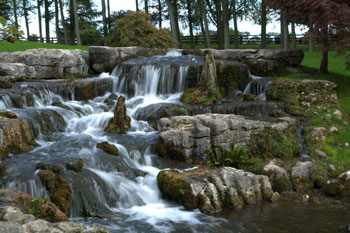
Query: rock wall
43, 64
211, 189
196, 139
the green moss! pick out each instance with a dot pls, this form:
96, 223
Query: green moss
272, 143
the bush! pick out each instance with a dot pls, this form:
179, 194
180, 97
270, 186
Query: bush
135, 29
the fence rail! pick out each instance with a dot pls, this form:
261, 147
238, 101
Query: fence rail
198, 40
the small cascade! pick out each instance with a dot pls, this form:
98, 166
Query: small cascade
157, 75
301, 140
257, 86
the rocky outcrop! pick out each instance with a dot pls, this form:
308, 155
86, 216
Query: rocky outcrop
14, 220
301, 98
38, 207
104, 58
278, 176
15, 135
196, 139
44, 63
108, 148
339, 186
302, 176
88, 89
75, 165
58, 188
121, 121
211, 189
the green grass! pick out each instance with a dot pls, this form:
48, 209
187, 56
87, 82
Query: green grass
24, 45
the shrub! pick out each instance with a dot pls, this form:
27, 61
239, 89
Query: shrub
135, 29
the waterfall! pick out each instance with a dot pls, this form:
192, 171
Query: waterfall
257, 86
124, 184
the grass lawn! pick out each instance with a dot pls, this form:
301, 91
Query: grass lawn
24, 45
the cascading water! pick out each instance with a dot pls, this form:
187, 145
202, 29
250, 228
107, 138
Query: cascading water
124, 185
257, 86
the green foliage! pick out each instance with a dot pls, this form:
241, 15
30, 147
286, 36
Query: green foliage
135, 30
235, 157
7, 30
25, 45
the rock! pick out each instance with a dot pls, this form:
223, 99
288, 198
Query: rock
321, 153
210, 189
7, 114
327, 117
194, 139
76, 165
346, 228
56, 168
333, 130
7, 81
95, 228
317, 134
88, 89
338, 114
108, 148
15, 136
302, 97
339, 186
40, 226
278, 177
11, 227
70, 227
120, 122
58, 188
38, 207
111, 100
14, 214
278, 114
249, 97
275, 197
46, 63
62, 106
302, 177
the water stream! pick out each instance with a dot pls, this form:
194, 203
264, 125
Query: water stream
124, 184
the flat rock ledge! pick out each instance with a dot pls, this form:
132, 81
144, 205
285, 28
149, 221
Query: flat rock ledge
196, 139
13, 220
211, 189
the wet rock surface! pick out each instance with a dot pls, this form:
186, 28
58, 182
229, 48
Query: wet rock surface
88, 89
121, 121
211, 189
108, 148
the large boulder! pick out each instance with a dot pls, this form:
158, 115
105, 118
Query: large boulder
302, 176
197, 139
339, 186
121, 121
87, 89
15, 136
103, 58
278, 177
46, 63
211, 189
38, 207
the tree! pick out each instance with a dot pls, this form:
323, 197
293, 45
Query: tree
47, 20
137, 5
330, 20
63, 23
39, 2
104, 17
263, 24
6, 31
135, 29
76, 22
174, 23
25, 12
190, 22
205, 26
57, 22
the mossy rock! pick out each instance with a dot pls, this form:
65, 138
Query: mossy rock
58, 188
108, 148
174, 188
274, 143
199, 96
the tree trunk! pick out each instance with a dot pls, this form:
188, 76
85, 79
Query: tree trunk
146, 6
172, 20
225, 18
205, 29
219, 24
160, 13
40, 25
26, 17
189, 9
286, 33
47, 21
72, 23
58, 35
109, 16
104, 17
137, 6
325, 47
76, 22
294, 37
177, 22
15, 14
235, 25
263, 24
63, 23
282, 29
